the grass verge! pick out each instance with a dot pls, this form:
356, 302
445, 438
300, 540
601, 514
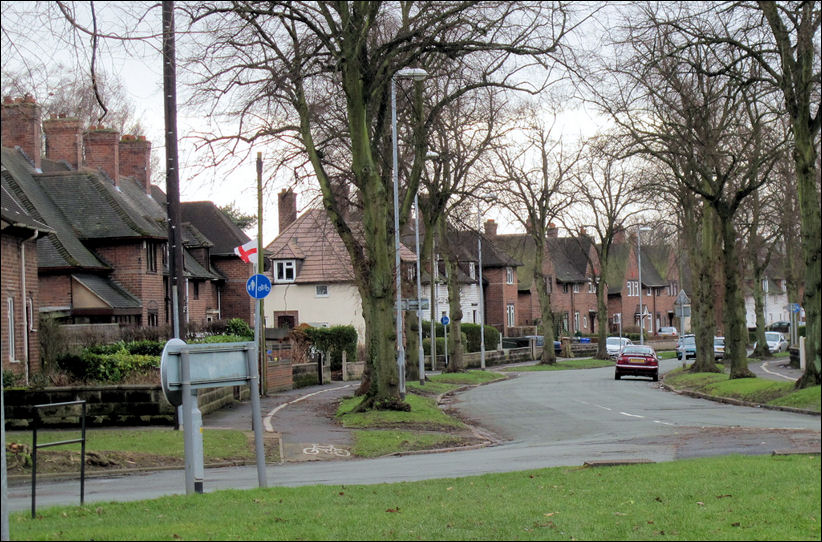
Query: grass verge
724, 498
754, 390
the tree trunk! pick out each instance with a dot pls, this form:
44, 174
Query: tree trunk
759, 294
412, 361
602, 307
702, 251
735, 330
456, 360
549, 356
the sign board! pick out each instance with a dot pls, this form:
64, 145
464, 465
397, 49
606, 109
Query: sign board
413, 304
682, 299
444, 320
795, 307
211, 365
258, 286
684, 312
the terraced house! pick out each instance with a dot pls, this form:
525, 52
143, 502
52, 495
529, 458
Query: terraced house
104, 258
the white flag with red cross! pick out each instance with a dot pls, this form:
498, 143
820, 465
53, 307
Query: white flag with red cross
247, 252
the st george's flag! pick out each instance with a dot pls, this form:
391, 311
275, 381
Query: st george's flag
247, 252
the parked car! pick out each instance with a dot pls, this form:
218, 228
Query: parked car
782, 326
524, 342
614, 345
667, 332
637, 360
776, 342
719, 347
686, 347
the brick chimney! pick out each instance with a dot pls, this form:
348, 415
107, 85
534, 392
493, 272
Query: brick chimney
552, 232
135, 160
619, 235
20, 122
490, 228
286, 208
64, 140
103, 151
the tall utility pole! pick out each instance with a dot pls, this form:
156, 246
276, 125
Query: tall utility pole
260, 316
175, 234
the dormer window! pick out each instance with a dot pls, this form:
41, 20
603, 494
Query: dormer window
286, 271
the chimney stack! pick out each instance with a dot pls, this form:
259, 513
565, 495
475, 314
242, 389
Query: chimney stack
64, 140
21, 126
552, 232
135, 160
286, 208
103, 151
490, 228
619, 235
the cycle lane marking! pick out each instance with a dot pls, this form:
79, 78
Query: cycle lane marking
267, 419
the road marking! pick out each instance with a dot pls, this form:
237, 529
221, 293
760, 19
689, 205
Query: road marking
267, 420
765, 368
594, 404
664, 423
631, 415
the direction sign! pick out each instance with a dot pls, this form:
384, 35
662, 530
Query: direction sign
258, 286
444, 320
682, 299
795, 307
413, 304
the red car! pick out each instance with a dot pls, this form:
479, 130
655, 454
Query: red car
637, 360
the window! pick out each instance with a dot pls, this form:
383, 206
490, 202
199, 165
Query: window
151, 257
510, 312
321, 290
576, 321
509, 275
196, 287
565, 288
576, 288
648, 292
549, 284
592, 287
633, 288
153, 320
584, 322
286, 271
11, 329
472, 270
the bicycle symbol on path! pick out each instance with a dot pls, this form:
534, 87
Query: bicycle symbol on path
316, 449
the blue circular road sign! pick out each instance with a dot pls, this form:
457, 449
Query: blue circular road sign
258, 286
445, 320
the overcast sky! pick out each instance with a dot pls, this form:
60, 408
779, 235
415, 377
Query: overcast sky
140, 69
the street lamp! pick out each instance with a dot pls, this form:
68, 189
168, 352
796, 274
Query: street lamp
639, 270
420, 353
417, 74
482, 294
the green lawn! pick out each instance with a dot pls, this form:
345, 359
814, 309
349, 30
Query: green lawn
563, 365
724, 498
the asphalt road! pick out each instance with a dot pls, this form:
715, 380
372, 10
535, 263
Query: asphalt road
544, 419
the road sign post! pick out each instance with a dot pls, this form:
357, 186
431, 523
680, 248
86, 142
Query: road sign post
444, 320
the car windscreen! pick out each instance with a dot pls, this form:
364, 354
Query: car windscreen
771, 336
690, 341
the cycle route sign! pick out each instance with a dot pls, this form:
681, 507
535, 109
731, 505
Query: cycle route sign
258, 286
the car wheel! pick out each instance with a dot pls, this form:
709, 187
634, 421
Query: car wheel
617, 376
656, 377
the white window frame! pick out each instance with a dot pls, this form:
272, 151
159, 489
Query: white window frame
509, 275
510, 313
472, 270
282, 267
576, 287
318, 292
576, 321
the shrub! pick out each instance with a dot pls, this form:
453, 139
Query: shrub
474, 339
335, 339
10, 379
52, 341
238, 326
223, 339
106, 367
145, 347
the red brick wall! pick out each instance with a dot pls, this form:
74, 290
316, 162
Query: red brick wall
20, 123
129, 262
236, 303
12, 287
498, 295
64, 140
199, 308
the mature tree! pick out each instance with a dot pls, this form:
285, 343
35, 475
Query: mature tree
319, 75
238, 217
535, 186
782, 38
608, 190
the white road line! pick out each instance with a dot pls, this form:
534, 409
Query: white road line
765, 368
631, 415
663, 423
594, 404
267, 419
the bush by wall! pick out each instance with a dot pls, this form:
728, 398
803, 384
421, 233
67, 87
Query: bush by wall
335, 339
238, 326
474, 339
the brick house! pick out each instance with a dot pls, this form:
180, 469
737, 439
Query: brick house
19, 346
106, 258
660, 285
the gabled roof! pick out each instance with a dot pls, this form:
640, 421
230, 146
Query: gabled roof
315, 243
108, 290
215, 225
15, 215
655, 267
568, 256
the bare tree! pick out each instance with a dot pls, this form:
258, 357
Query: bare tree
534, 180
609, 192
321, 73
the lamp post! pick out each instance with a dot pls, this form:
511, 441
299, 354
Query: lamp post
482, 293
639, 271
421, 354
417, 74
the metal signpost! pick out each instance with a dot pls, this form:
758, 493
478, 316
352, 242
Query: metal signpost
682, 307
185, 368
445, 321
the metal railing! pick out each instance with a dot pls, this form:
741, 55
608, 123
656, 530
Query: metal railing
35, 447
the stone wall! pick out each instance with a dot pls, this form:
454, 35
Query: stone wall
107, 405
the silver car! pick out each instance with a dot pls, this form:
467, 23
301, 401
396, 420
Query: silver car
614, 345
